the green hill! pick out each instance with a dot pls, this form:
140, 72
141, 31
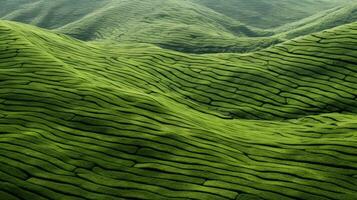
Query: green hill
178, 25
47, 13
175, 24
270, 13
84, 121
321, 21
257, 13
193, 26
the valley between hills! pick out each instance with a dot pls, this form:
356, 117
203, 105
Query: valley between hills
181, 100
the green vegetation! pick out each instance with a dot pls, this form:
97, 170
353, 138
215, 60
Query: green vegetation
173, 24
176, 24
134, 121
193, 26
270, 13
127, 111
321, 21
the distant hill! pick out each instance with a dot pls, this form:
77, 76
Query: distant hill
321, 21
175, 24
180, 25
193, 26
47, 13
256, 13
270, 13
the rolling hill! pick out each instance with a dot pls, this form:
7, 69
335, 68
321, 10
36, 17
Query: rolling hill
179, 25
270, 13
134, 121
193, 26
321, 21
257, 13
175, 24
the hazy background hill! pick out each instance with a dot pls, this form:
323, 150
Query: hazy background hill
170, 23
344, 14
270, 13
257, 13
197, 26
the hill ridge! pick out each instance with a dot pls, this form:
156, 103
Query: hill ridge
189, 26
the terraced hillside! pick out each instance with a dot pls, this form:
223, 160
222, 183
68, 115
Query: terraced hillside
174, 24
257, 13
270, 13
321, 21
84, 121
193, 26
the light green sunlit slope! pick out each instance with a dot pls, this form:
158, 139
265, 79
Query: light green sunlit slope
321, 21
182, 25
179, 25
84, 121
270, 13
175, 24
258, 13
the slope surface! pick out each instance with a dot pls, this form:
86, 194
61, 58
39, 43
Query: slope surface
179, 25
174, 24
258, 13
270, 13
183, 25
48, 14
81, 121
320, 21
